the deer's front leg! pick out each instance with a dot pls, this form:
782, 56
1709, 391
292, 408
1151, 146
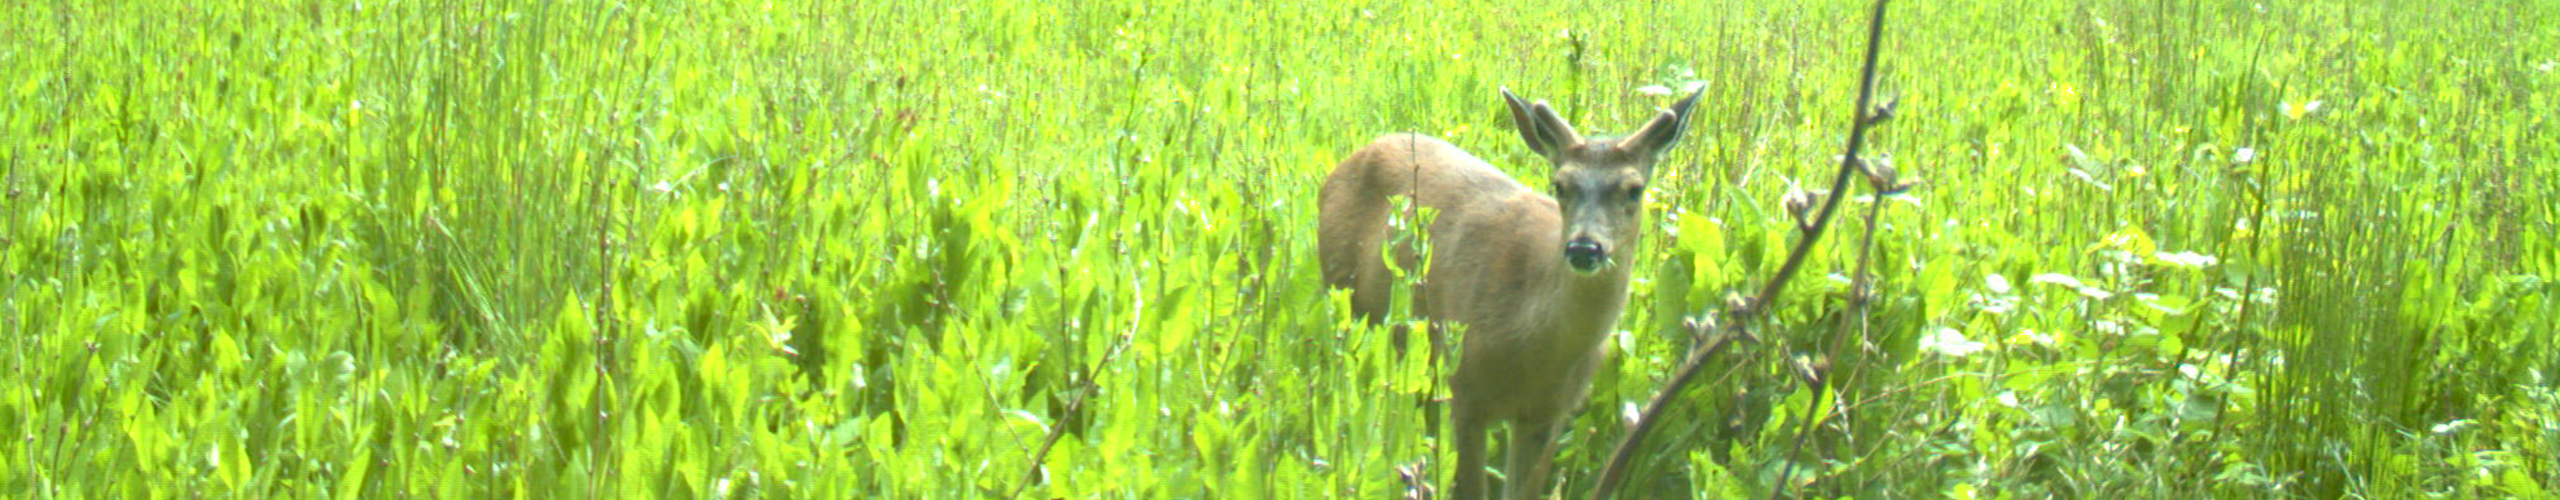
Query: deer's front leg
1470, 473
1533, 445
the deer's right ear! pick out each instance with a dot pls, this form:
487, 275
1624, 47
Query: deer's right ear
1546, 132
1526, 123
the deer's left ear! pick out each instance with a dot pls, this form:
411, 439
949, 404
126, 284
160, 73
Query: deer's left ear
1659, 134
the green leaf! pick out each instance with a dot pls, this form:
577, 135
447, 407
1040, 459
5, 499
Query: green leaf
351, 483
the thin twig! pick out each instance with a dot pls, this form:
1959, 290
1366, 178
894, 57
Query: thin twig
2232, 362
1760, 304
1787, 472
1858, 125
1689, 368
1090, 384
1858, 284
602, 314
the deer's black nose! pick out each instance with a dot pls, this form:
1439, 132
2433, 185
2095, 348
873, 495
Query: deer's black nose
1585, 255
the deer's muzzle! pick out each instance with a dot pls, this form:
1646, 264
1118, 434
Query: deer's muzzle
1586, 256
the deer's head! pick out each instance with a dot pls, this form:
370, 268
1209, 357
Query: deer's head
1599, 183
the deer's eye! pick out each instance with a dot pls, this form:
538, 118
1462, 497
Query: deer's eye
1556, 187
1635, 192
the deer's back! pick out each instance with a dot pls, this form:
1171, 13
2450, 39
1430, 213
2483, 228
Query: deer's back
1489, 238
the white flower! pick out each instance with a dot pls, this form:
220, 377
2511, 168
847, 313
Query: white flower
1948, 342
2055, 279
2188, 260
2067, 281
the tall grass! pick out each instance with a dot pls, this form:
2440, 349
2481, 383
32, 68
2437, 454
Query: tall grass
595, 249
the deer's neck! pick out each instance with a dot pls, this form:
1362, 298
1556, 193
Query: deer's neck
1592, 303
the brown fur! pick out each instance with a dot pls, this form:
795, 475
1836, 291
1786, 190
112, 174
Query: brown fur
1533, 324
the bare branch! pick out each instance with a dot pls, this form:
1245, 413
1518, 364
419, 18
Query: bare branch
1091, 382
1760, 304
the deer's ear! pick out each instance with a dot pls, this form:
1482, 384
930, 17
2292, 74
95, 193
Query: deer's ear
1664, 130
1559, 134
1522, 120
1540, 126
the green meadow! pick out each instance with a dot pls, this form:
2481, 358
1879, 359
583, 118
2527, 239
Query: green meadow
1066, 249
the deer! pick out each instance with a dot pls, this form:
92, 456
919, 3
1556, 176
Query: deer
1537, 280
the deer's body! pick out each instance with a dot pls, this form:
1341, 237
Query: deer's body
1517, 316
1531, 277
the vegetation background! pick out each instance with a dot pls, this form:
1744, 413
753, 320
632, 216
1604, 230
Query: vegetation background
884, 249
